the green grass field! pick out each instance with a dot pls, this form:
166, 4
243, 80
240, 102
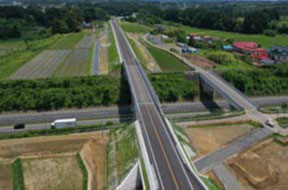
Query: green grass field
10, 63
264, 41
166, 61
137, 52
7, 46
68, 41
113, 56
134, 27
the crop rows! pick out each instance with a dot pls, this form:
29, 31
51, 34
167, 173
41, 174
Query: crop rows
87, 41
42, 66
75, 65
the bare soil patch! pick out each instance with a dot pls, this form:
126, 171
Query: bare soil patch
52, 173
262, 167
38, 146
6, 177
94, 154
199, 61
207, 139
50, 163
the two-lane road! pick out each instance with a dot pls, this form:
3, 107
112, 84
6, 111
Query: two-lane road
170, 170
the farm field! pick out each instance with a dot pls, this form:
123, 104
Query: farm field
263, 167
206, 139
52, 173
76, 64
69, 41
7, 46
6, 176
264, 41
70, 56
87, 41
53, 159
134, 27
42, 66
166, 61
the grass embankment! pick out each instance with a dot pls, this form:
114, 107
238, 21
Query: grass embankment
228, 123
113, 57
11, 62
84, 171
138, 53
126, 150
18, 178
274, 109
211, 184
69, 41
53, 132
264, 41
166, 61
283, 122
134, 27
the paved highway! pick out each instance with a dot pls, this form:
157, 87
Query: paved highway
116, 112
169, 168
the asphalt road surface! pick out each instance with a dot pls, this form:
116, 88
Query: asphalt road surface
228, 180
219, 156
169, 168
119, 112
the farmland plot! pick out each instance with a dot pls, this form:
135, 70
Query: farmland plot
6, 177
76, 64
87, 41
42, 66
52, 173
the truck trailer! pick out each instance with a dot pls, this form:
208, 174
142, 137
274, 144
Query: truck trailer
64, 123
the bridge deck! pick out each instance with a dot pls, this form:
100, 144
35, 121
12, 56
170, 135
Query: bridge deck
170, 170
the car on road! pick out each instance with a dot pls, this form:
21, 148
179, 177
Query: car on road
19, 126
269, 122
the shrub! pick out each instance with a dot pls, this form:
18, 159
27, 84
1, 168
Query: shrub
269, 32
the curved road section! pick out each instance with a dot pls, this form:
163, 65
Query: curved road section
171, 172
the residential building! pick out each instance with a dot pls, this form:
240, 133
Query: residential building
278, 53
252, 49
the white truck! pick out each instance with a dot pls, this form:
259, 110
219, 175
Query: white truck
64, 123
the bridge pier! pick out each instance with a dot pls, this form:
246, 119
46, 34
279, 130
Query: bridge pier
207, 93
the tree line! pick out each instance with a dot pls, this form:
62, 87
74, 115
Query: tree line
271, 80
80, 92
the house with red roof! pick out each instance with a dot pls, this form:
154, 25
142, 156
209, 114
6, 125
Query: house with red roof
252, 49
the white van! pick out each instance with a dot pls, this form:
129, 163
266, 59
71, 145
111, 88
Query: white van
64, 123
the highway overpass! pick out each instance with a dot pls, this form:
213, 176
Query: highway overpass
170, 170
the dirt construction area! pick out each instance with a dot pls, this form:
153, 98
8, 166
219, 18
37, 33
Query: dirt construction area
207, 139
50, 162
263, 167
